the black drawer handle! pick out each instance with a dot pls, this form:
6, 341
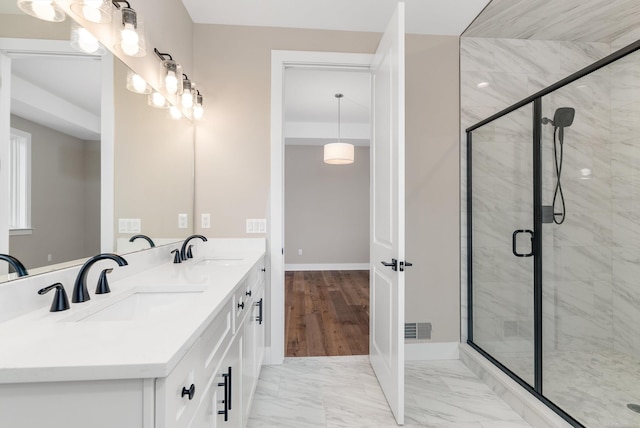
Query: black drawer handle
241, 305
190, 392
225, 412
248, 293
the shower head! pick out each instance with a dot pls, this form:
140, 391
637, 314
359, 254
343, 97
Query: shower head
562, 118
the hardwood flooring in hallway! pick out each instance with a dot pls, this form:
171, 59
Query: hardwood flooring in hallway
327, 313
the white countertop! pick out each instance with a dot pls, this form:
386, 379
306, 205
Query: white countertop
58, 346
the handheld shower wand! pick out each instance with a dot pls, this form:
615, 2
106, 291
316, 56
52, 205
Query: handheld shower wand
562, 118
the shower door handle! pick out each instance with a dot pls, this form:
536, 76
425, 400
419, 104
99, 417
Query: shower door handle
513, 243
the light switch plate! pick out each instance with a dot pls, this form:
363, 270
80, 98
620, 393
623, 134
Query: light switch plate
205, 220
256, 225
183, 221
129, 225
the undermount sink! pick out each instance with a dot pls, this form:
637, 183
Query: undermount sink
221, 262
143, 305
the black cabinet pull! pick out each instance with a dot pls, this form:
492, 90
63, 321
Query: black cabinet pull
263, 269
225, 412
248, 293
190, 392
259, 317
230, 384
241, 305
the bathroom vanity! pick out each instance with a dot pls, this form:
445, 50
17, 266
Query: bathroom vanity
173, 345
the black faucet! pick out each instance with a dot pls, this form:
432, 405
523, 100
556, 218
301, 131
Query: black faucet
145, 237
80, 292
15, 263
183, 251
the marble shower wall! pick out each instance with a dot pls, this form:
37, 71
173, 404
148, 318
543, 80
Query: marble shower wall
625, 172
495, 73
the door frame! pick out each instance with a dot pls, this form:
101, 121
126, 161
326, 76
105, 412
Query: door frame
281, 60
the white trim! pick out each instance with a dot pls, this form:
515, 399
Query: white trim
325, 266
427, 351
279, 61
21, 232
107, 157
5, 137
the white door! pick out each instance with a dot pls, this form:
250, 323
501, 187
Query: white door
387, 216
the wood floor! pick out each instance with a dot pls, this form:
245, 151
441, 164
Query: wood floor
327, 313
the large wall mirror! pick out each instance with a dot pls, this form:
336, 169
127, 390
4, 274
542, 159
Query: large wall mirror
97, 156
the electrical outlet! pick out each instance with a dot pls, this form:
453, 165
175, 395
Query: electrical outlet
300, 252
49, 257
183, 221
205, 220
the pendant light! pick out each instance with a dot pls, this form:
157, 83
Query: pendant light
46, 10
98, 11
338, 153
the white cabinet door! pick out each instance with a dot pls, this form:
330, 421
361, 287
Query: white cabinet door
387, 216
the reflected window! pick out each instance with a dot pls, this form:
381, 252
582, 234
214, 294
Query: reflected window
20, 179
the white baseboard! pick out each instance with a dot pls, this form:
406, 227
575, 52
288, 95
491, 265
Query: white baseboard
422, 351
326, 266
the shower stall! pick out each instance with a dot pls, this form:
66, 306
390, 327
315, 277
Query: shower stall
553, 236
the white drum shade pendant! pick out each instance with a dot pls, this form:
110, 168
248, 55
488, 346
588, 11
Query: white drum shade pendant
338, 153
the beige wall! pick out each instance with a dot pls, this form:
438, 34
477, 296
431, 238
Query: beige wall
233, 63
433, 183
60, 179
27, 27
154, 164
326, 207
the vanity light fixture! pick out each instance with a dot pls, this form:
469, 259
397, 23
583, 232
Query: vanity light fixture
157, 100
188, 91
175, 112
135, 83
198, 110
84, 41
46, 10
129, 31
170, 73
338, 153
98, 11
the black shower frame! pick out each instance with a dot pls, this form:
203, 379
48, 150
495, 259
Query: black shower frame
536, 101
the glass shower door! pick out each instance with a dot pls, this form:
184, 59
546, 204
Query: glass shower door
502, 224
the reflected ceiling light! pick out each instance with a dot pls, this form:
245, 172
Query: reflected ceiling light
135, 83
175, 112
129, 31
483, 85
188, 91
170, 73
157, 100
98, 11
198, 110
46, 10
338, 153
84, 41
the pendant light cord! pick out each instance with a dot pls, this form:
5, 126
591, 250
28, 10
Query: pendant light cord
339, 96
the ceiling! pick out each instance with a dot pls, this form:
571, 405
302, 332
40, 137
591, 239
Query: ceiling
446, 17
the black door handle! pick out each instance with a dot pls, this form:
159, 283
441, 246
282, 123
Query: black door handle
513, 243
259, 317
393, 264
404, 264
225, 412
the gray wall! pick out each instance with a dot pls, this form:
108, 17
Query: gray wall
326, 207
66, 223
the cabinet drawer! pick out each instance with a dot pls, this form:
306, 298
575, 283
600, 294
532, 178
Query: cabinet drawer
215, 339
174, 405
242, 303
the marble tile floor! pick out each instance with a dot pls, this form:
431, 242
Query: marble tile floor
594, 387
333, 392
